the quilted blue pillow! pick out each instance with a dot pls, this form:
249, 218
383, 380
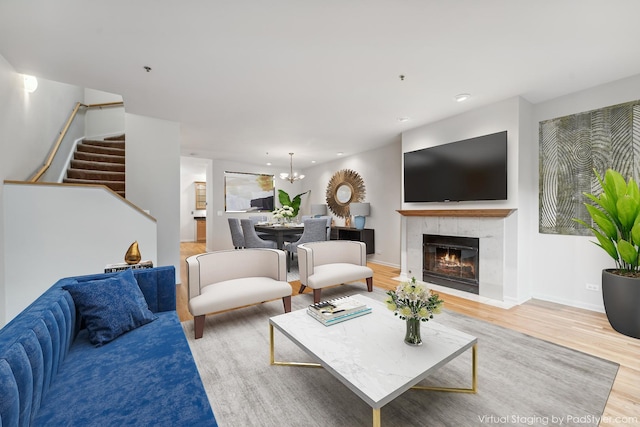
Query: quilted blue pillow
110, 306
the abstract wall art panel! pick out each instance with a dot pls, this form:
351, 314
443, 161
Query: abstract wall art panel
248, 192
571, 147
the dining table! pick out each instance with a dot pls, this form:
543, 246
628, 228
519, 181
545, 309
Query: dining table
281, 233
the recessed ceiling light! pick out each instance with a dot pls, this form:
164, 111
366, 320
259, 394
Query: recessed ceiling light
268, 163
339, 153
403, 119
313, 161
461, 97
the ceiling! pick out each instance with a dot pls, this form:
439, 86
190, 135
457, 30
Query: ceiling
247, 78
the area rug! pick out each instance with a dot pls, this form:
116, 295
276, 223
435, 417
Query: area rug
522, 381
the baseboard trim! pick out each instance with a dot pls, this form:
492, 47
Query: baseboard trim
585, 306
387, 264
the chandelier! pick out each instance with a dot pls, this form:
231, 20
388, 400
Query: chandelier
291, 176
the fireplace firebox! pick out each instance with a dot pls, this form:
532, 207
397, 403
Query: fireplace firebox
451, 261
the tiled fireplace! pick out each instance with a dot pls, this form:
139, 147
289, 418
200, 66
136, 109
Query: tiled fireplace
485, 239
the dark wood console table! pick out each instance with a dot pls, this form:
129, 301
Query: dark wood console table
348, 233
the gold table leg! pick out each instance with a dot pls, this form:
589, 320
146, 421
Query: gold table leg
272, 358
474, 377
376, 417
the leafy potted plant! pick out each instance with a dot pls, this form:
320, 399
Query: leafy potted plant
616, 214
283, 198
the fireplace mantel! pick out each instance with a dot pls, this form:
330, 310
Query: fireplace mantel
469, 213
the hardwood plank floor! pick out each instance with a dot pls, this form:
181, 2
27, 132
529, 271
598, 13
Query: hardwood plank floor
579, 329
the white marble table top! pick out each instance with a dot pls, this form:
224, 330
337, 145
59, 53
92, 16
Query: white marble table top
368, 353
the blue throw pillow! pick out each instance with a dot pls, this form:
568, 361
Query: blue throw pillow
110, 306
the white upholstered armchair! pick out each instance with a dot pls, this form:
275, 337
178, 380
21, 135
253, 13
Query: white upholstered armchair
223, 280
332, 262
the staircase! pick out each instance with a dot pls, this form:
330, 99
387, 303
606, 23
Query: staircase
99, 162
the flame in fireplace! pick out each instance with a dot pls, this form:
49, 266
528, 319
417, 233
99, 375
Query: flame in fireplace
450, 263
450, 260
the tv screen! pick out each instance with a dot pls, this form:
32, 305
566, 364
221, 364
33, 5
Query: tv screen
472, 169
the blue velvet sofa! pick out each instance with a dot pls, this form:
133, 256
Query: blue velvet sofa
52, 374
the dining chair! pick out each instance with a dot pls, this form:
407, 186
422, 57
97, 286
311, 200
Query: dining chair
327, 217
237, 236
257, 219
303, 218
315, 230
251, 238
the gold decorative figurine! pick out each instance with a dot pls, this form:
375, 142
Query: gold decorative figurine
133, 254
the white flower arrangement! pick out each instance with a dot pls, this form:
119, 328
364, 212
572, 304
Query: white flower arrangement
411, 300
283, 212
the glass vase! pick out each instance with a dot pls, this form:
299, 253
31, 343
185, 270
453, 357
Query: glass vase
412, 337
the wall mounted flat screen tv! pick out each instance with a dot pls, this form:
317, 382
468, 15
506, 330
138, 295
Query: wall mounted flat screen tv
472, 169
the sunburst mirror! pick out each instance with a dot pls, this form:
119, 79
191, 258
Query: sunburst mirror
345, 187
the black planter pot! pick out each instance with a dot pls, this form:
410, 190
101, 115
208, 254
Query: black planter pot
622, 302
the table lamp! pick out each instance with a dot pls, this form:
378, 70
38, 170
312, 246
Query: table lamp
359, 211
318, 210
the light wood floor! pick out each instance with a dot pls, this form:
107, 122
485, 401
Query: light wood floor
582, 330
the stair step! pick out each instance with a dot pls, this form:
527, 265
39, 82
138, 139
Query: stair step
95, 157
116, 186
99, 162
88, 148
95, 175
100, 166
110, 144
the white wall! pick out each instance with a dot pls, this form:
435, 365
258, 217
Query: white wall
381, 172
570, 262
75, 132
105, 121
29, 123
191, 170
527, 215
42, 243
153, 179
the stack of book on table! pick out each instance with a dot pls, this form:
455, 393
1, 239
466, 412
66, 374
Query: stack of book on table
112, 268
337, 310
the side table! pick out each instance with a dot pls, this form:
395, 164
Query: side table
365, 235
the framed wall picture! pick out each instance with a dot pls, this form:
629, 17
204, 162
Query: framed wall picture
571, 147
248, 192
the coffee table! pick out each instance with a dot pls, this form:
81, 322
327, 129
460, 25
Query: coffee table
368, 354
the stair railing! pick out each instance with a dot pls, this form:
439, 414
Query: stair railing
63, 133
